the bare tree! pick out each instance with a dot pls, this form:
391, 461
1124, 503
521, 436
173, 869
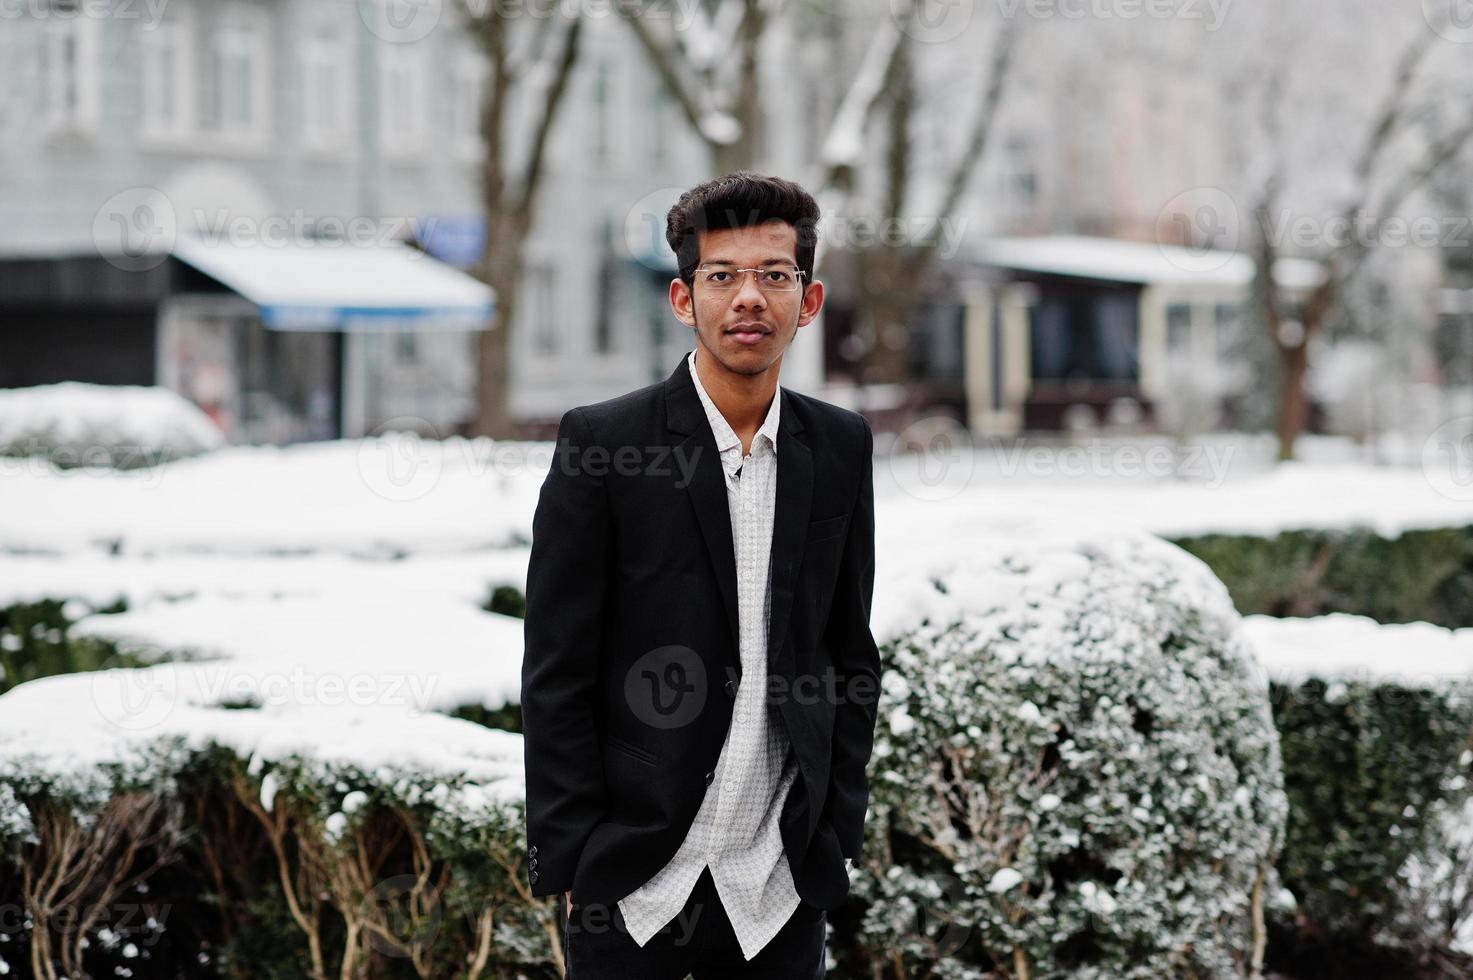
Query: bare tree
719, 96
531, 58
892, 275
1411, 134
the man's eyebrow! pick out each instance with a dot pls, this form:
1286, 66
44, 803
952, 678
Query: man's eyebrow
775, 261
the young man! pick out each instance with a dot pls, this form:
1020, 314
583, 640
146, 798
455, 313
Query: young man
699, 681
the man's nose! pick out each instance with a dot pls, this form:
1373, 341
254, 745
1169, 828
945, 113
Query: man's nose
748, 295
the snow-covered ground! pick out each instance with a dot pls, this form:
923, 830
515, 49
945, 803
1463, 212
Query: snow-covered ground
339, 586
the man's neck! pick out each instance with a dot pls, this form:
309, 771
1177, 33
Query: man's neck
743, 400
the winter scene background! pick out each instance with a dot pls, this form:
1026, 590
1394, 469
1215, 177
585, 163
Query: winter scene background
1161, 312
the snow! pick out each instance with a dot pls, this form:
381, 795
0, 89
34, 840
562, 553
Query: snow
372, 497
73, 419
1139, 262
1344, 648
335, 590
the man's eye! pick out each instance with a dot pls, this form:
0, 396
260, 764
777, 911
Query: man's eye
777, 276
712, 275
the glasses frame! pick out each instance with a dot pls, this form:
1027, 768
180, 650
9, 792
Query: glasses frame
762, 287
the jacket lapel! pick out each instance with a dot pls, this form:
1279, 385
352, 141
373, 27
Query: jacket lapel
707, 489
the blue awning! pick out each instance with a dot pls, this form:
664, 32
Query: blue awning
341, 286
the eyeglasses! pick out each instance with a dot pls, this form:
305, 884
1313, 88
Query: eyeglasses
724, 278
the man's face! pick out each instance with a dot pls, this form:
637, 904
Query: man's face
746, 329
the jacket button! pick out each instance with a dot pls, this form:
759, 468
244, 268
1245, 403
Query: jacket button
532, 876
731, 689
532, 851
710, 776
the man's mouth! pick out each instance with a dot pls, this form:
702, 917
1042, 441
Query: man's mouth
748, 333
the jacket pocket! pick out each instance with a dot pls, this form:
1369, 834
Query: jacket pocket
629, 748
828, 527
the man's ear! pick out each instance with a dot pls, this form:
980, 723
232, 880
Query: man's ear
811, 304
682, 303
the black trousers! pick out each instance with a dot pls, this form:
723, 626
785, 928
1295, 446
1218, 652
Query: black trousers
698, 942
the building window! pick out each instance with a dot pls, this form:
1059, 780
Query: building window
402, 103
662, 124
541, 286
327, 106
468, 96
602, 123
168, 81
1178, 327
238, 76
1228, 321
605, 287
69, 69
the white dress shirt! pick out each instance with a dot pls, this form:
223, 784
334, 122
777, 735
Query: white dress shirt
736, 829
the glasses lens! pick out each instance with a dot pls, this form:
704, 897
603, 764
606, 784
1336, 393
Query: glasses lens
775, 279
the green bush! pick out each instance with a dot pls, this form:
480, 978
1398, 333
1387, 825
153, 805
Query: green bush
34, 643
249, 870
1366, 767
1076, 777
1421, 575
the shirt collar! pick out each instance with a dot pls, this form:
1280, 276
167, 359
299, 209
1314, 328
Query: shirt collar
726, 438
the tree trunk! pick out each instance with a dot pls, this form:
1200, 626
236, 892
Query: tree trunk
1293, 400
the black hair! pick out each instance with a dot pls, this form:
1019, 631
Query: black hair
740, 200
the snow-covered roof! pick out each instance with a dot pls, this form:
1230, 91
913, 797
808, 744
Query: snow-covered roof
1146, 263
343, 286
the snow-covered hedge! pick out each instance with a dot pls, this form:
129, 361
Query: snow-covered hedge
1391, 575
1076, 768
290, 840
125, 426
1376, 728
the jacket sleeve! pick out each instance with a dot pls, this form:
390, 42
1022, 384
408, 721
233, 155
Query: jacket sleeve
857, 666
567, 588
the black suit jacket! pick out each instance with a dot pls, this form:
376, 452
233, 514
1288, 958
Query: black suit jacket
631, 661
